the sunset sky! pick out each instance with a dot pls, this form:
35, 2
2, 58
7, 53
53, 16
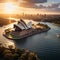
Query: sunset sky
30, 6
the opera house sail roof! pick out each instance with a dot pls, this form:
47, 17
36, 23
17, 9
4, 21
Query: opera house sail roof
22, 25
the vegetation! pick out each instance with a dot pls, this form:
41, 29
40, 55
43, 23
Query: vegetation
43, 25
17, 54
52, 20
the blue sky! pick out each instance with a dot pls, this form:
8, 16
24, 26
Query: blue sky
50, 2
55, 1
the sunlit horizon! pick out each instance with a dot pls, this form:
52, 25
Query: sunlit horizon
13, 7
9, 8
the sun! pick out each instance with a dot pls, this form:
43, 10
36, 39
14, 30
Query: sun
9, 8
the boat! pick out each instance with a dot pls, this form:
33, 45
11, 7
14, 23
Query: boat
58, 35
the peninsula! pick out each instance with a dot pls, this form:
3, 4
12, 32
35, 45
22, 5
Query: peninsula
23, 30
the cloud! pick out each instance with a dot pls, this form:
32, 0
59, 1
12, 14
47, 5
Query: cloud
50, 6
28, 5
2, 1
41, 6
31, 3
55, 5
28, 1
35, 1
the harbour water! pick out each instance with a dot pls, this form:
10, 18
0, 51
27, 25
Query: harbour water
46, 45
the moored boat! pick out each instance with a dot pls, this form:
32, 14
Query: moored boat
58, 35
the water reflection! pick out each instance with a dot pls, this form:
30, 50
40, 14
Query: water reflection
20, 42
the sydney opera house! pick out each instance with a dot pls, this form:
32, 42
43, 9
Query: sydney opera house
23, 30
21, 25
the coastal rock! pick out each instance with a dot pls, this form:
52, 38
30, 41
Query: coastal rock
17, 54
